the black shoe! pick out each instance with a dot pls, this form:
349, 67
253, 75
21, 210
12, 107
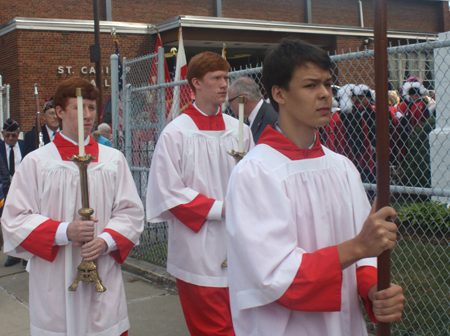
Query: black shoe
24, 262
11, 261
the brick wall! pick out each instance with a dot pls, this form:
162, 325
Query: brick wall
335, 12
157, 10
37, 59
9, 68
414, 15
285, 11
354, 71
445, 17
49, 9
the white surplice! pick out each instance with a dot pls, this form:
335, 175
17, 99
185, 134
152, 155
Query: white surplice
278, 209
188, 161
46, 187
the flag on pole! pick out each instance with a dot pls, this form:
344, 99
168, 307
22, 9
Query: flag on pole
181, 94
174, 55
224, 53
154, 71
116, 42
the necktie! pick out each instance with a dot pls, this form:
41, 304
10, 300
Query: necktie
247, 122
11, 161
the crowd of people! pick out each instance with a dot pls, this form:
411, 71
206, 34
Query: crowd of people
352, 130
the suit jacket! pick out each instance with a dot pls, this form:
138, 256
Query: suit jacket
3, 151
266, 116
30, 140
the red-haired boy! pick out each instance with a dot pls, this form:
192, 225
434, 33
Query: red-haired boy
41, 223
187, 185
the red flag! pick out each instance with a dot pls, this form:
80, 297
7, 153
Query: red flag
154, 73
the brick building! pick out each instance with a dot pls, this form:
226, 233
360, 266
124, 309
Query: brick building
44, 42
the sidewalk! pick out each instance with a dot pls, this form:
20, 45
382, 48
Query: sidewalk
153, 307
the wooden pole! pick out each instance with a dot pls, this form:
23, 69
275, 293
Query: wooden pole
382, 136
98, 63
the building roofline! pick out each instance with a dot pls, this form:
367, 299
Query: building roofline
200, 22
74, 25
283, 27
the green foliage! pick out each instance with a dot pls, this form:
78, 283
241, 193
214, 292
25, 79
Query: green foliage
431, 216
416, 166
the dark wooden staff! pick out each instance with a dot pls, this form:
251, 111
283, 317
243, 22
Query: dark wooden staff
383, 142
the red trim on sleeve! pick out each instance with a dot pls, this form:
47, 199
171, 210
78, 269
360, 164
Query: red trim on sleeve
206, 123
193, 214
366, 277
124, 246
40, 241
317, 285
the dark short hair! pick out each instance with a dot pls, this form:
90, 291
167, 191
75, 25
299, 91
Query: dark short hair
67, 89
203, 63
281, 61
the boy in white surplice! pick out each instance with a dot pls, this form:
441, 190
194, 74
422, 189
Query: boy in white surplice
301, 234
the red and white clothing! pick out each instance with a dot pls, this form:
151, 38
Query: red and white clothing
287, 210
46, 192
186, 187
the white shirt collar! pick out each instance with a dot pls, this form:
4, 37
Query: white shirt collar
254, 113
50, 132
86, 141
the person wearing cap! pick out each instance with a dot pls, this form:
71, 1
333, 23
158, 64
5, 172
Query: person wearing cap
12, 153
414, 111
356, 131
49, 130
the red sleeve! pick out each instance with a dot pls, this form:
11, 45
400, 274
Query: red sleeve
317, 285
124, 246
366, 277
193, 214
40, 241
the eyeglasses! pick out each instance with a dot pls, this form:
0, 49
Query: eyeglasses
10, 135
230, 100
51, 114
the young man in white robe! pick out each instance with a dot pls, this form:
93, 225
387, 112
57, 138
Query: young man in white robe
301, 233
41, 223
186, 187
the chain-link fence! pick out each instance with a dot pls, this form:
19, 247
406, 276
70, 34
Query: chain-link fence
419, 157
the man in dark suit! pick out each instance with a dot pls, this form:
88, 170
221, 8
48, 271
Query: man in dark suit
11, 151
49, 130
257, 113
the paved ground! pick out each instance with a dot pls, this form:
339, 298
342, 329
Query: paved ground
153, 307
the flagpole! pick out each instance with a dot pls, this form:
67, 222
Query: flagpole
382, 136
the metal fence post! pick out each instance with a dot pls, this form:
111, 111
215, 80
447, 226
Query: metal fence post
161, 92
8, 107
127, 125
1, 99
114, 98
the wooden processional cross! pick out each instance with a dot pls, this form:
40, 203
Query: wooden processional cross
382, 136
